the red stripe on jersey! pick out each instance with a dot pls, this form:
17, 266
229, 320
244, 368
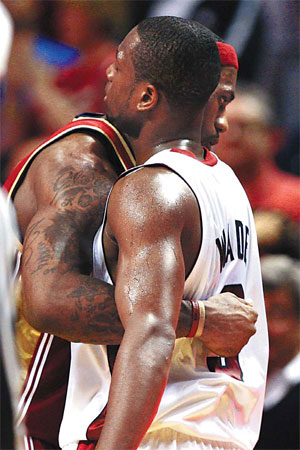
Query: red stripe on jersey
87, 445
95, 428
121, 147
209, 158
37, 444
184, 152
33, 374
48, 387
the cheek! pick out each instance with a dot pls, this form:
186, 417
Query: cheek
208, 123
113, 95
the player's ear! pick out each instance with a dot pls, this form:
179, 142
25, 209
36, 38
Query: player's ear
148, 98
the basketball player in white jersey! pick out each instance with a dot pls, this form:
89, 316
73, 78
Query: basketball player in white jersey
184, 227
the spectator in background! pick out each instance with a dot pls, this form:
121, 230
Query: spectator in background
54, 70
261, 31
85, 25
280, 424
17, 105
250, 148
277, 234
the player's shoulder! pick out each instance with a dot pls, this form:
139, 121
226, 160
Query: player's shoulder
76, 146
151, 180
152, 190
79, 151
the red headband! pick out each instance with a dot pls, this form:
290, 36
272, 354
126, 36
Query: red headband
228, 55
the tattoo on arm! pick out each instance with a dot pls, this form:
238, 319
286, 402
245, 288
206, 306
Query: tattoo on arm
54, 245
31, 235
43, 257
99, 316
80, 199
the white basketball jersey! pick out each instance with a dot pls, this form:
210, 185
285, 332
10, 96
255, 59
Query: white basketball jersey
217, 400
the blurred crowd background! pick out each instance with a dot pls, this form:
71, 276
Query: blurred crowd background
61, 49
56, 69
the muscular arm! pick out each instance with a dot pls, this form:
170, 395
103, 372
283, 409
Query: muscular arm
149, 287
67, 186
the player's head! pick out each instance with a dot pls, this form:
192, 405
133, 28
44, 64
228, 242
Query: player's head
215, 119
163, 57
281, 279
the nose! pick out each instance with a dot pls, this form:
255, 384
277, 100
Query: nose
222, 123
110, 72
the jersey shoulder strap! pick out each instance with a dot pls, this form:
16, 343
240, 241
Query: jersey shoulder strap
87, 121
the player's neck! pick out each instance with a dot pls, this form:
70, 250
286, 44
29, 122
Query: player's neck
144, 151
172, 129
182, 144
166, 135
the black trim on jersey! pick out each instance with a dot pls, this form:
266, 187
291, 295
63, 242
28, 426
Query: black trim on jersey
87, 115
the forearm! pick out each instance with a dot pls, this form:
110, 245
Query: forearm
75, 307
58, 299
82, 309
139, 378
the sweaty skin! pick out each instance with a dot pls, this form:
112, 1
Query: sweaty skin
59, 207
151, 239
151, 265
65, 190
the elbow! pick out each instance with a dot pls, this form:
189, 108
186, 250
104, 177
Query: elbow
31, 315
33, 309
159, 337
160, 328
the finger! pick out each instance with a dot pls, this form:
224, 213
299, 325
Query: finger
249, 301
246, 301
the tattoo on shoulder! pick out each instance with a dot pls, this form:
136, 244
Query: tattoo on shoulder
79, 188
79, 197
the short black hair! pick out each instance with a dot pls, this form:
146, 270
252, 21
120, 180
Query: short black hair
180, 57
